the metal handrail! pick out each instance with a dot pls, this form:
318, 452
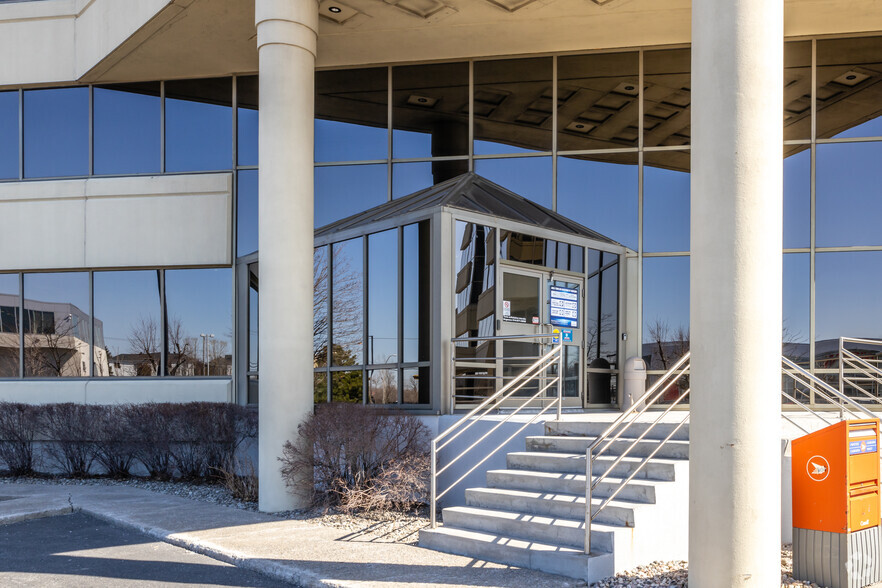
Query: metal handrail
536, 371
827, 389
612, 433
858, 364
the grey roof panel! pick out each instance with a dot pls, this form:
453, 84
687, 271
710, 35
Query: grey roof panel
473, 193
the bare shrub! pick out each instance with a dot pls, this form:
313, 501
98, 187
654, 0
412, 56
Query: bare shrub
207, 436
19, 424
151, 426
361, 457
70, 429
240, 480
115, 441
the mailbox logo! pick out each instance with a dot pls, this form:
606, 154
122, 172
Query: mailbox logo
817, 468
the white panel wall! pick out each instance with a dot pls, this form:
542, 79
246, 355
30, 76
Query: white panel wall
116, 391
117, 222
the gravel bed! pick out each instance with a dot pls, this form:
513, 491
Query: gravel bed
669, 574
398, 527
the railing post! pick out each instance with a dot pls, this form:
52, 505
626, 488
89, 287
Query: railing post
588, 475
434, 486
560, 375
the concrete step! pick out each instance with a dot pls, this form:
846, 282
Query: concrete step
554, 559
570, 506
556, 530
571, 444
635, 491
574, 463
574, 428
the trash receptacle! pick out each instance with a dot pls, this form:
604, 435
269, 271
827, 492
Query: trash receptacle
635, 382
836, 530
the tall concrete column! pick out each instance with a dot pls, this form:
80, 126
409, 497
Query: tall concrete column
735, 306
286, 41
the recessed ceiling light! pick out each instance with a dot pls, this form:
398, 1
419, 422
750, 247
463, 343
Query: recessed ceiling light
335, 9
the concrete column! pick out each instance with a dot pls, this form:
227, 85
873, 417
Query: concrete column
286, 41
735, 460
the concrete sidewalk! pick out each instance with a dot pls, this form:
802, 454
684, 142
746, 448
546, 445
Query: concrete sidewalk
294, 551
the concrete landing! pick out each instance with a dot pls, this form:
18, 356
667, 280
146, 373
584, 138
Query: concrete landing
298, 552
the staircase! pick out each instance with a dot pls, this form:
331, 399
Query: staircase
532, 514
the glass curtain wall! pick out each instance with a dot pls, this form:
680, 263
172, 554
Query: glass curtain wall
372, 318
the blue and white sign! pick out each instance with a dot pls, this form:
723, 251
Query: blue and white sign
864, 446
567, 335
564, 311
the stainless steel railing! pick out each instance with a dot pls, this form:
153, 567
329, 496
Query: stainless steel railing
615, 431
536, 371
857, 371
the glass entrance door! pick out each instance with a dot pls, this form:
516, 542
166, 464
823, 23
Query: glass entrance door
525, 303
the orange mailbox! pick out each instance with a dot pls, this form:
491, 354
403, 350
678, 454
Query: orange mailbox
836, 528
836, 477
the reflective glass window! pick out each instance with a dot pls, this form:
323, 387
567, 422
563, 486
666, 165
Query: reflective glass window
346, 386
416, 311
9, 138
601, 194
665, 310
347, 309
602, 316
848, 73
247, 96
253, 319
382, 387
847, 286
128, 324
320, 387
513, 106
529, 177
795, 330
408, 178
199, 312
667, 97
797, 90
56, 132
351, 114
321, 274
797, 199
848, 194
522, 294
246, 212
56, 325
430, 111
10, 329
198, 125
127, 128
598, 101
665, 209
341, 191
383, 298
415, 385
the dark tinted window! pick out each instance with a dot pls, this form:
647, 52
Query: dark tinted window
56, 325
127, 128
198, 125
350, 112
8, 135
247, 118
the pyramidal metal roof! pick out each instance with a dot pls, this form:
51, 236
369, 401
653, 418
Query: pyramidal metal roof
473, 193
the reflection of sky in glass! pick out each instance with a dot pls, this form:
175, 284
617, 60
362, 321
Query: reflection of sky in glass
202, 300
847, 287
247, 136
665, 293
341, 191
8, 135
797, 199
408, 178
849, 194
383, 297
62, 288
411, 287
529, 177
796, 298
411, 144
198, 136
340, 141
497, 148
126, 132
246, 220
601, 196
127, 303
347, 295
871, 128
9, 284
665, 210
56, 132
